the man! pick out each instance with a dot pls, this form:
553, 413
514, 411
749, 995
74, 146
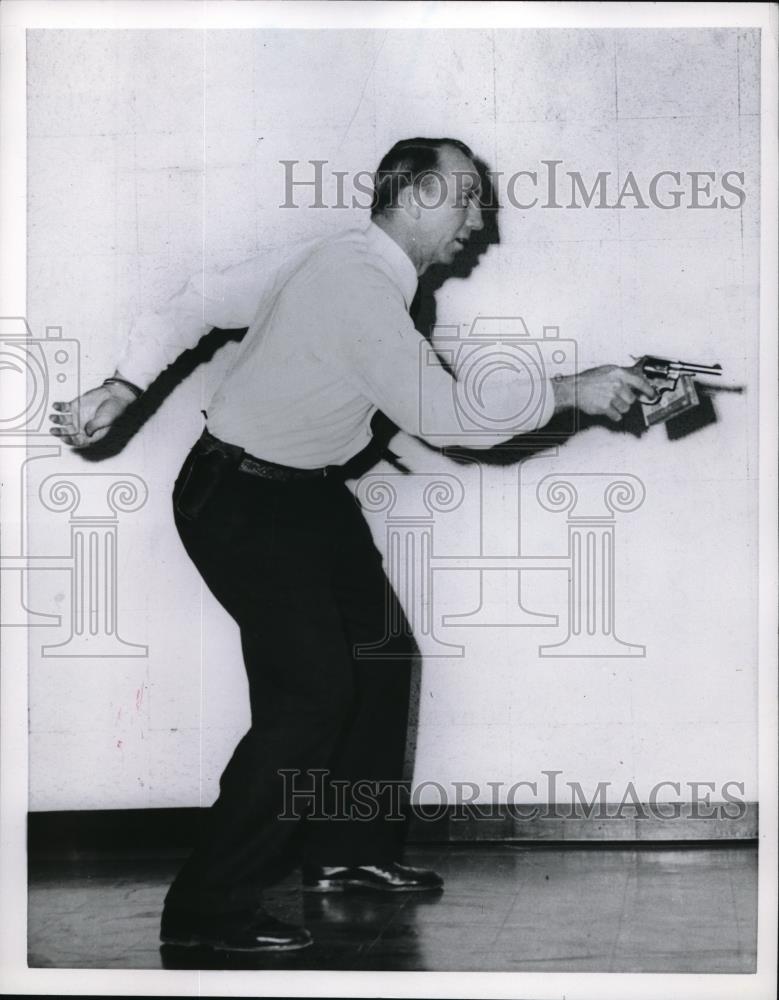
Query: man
264, 513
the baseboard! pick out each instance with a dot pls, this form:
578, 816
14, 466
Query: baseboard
176, 829
613, 823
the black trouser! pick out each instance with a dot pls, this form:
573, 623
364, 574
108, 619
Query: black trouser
295, 565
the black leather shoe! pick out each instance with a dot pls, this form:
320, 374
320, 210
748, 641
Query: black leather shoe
227, 932
381, 878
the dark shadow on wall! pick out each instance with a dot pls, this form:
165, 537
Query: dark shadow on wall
136, 415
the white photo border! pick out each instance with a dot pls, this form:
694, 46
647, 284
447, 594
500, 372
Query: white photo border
16, 17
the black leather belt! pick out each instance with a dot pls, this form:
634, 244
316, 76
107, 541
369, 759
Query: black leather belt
259, 466
281, 473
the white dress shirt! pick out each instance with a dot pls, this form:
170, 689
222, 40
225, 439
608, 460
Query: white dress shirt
329, 341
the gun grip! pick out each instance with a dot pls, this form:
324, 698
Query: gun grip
674, 397
662, 385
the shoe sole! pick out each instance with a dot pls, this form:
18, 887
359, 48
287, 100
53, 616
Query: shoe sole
221, 946
358, 886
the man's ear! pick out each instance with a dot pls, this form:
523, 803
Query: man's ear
408, 201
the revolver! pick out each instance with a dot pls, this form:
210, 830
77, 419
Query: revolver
674, 386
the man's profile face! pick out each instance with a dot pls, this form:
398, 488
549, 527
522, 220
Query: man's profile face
450, 208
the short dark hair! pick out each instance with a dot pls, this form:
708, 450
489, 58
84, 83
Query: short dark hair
407, 163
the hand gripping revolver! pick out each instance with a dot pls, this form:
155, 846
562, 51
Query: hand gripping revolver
674, 385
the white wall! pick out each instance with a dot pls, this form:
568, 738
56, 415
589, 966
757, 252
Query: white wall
151, 153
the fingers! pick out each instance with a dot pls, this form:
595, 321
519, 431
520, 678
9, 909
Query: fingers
65, 426
64, 419
63, 413
64, 430
79, 438
74, 439
640, 383
625, 395
87, 418
75, 436
613, 391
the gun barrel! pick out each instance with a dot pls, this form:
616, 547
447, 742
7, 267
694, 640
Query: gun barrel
683, 367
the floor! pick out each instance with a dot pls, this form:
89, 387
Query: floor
506, 907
